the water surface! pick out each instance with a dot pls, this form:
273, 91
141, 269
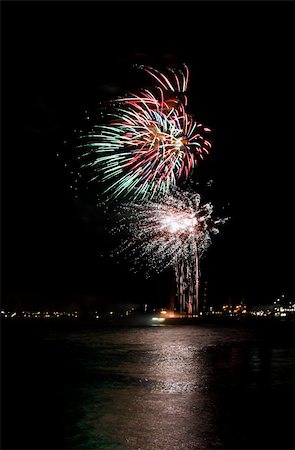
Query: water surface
161, 387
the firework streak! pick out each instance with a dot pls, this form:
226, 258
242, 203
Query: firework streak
150, 142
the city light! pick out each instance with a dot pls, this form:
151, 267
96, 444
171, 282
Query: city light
284, 310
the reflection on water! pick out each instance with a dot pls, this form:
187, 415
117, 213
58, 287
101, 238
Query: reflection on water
165, 388
169, 388
154, 393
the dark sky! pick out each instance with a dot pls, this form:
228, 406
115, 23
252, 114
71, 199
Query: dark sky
60, 58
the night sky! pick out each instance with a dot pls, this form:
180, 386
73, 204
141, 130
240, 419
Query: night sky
60, 59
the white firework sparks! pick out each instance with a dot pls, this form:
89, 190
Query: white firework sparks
171, 231
164, 231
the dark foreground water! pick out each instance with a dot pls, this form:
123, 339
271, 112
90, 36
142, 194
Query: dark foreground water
162, 387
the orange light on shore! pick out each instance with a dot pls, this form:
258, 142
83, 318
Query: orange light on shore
169, 314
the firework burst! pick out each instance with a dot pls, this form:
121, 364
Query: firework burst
173, 230
168, 229
150, 142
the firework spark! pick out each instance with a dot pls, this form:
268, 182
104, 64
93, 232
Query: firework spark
173, 230
168, 229
150, 143
176, 81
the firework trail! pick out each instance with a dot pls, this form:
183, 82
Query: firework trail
172, 230
150, 142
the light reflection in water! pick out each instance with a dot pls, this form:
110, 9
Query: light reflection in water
158, 387
176, 412
149, 389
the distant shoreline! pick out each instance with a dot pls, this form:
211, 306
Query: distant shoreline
147, 320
